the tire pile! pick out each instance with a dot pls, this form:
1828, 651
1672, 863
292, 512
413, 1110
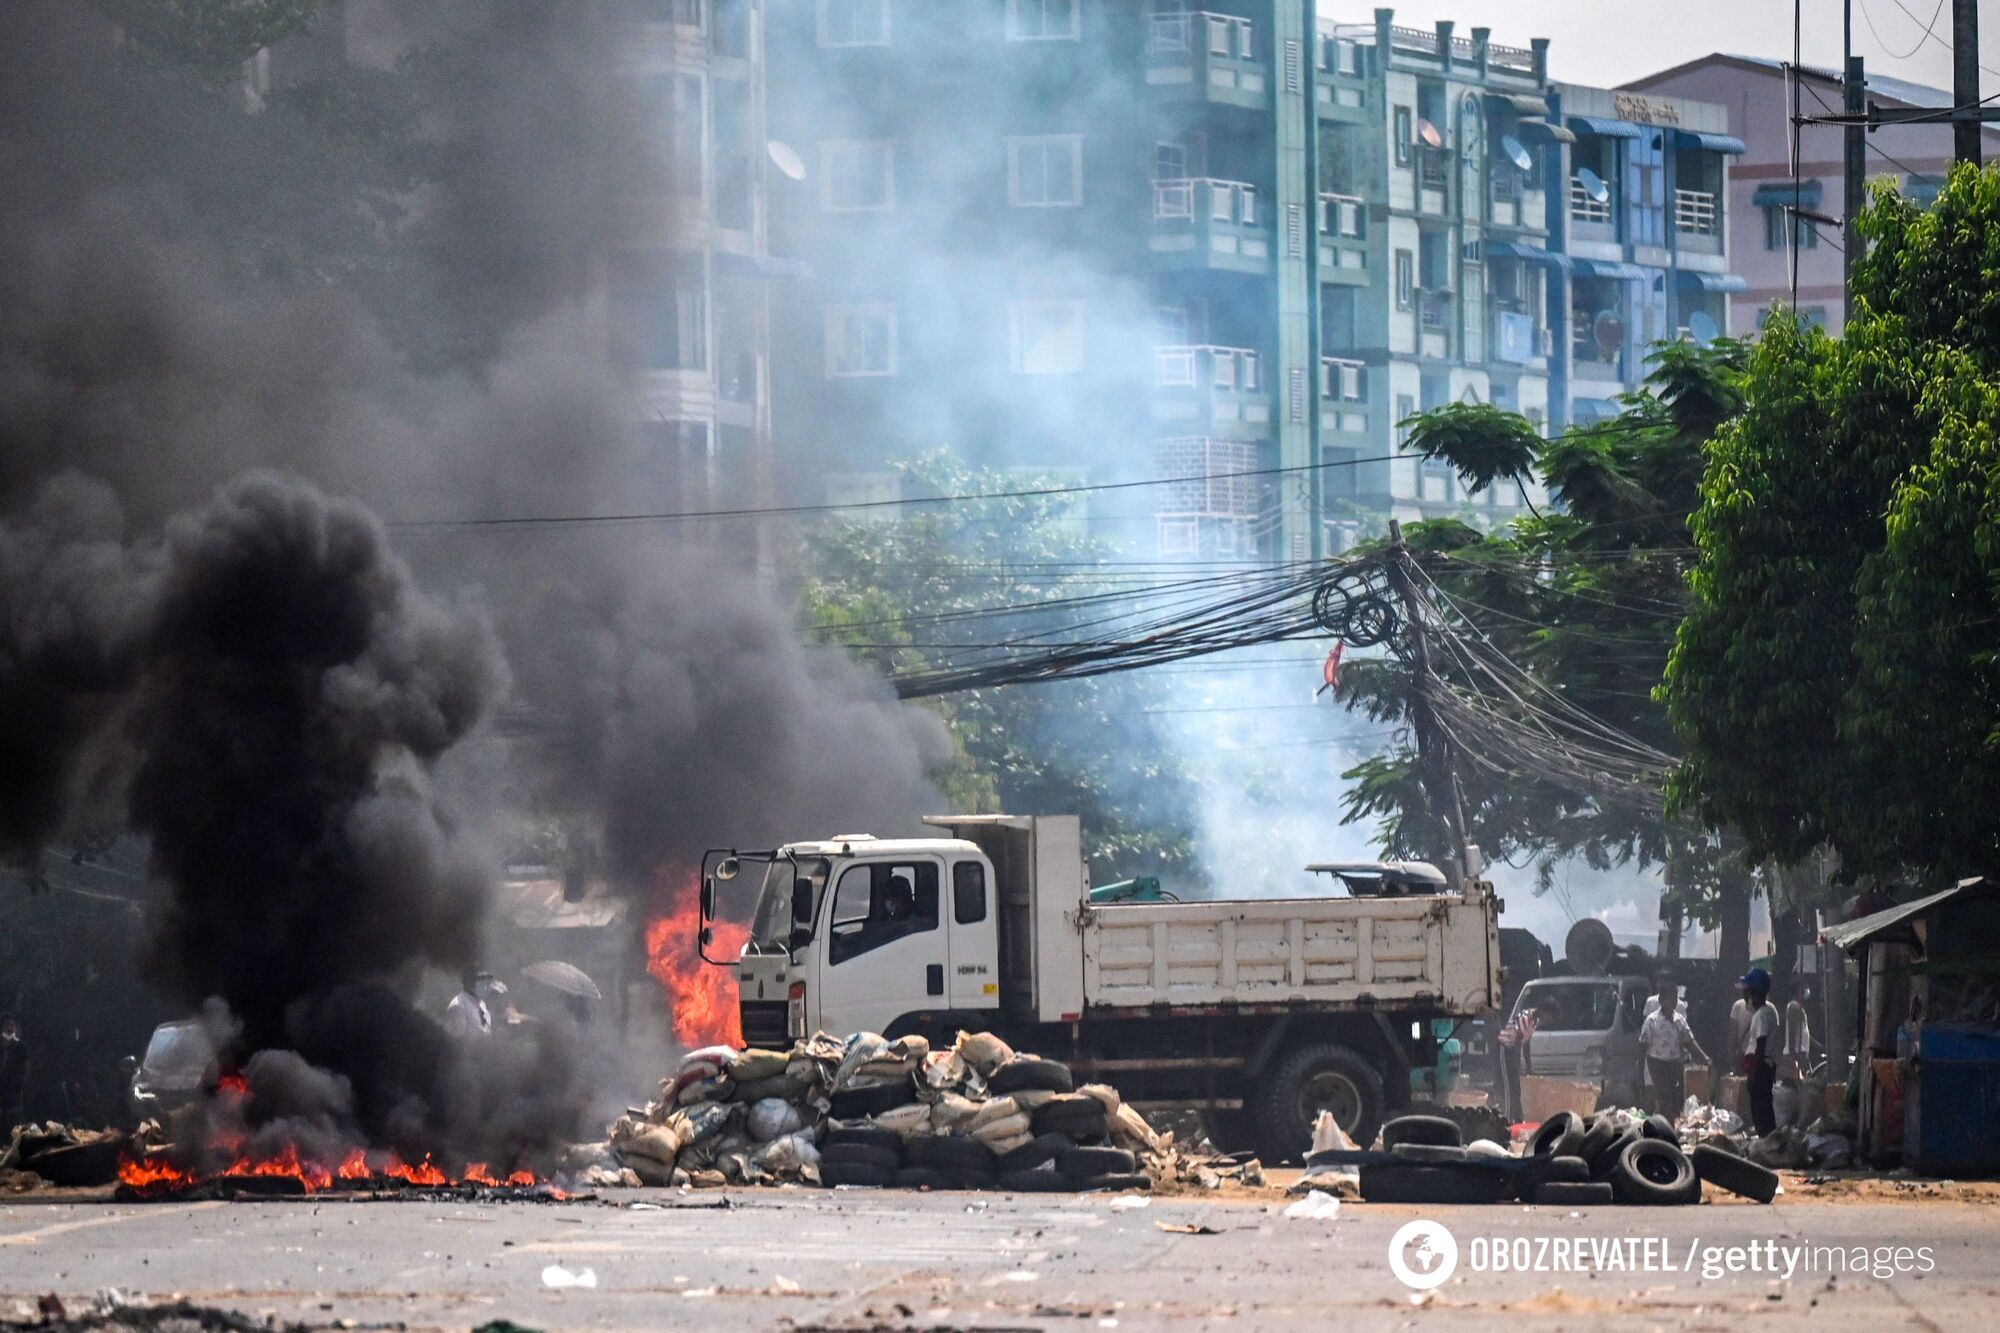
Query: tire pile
1567, 1162
865, 1111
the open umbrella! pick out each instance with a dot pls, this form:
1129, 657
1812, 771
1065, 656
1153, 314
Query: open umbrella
564, 977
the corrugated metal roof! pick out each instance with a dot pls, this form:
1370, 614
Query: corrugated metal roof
1861, 929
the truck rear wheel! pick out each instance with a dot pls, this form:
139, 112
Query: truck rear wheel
1230, 1130
1307, 1080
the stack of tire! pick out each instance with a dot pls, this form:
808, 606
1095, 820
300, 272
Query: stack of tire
1603, 1161
1067, 1149
1429, 1163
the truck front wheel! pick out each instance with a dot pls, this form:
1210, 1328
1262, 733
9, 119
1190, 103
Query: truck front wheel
1307, 1080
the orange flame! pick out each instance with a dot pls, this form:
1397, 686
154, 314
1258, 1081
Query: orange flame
701, 997
154, 1175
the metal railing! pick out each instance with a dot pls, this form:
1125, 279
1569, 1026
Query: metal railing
1343, 215
1342, 380
1224, 34
1584, 208
1694, 212
1191, 367
1217, 200
1433, 168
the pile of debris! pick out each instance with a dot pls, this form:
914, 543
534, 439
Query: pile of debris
868, 1111
1615, 1157
60, 1155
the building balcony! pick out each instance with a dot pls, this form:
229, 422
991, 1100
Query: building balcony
1343, 239
1434, 324
1212, 385
1511, 203
1343, 83
1517, 340
1210, 223
1212, 57
1208, 505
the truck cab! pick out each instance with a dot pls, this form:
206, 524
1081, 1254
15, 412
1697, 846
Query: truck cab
890, 936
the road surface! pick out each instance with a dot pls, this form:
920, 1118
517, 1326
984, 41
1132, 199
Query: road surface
864, 1259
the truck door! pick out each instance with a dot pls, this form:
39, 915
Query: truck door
883, 951
975, 939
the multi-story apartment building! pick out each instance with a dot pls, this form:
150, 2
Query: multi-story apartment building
1639, 217
1151, 240
686, 288
1756, 94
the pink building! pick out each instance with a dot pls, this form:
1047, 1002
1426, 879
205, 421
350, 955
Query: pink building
1754, 89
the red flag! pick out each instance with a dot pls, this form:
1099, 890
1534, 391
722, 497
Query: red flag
1330, 673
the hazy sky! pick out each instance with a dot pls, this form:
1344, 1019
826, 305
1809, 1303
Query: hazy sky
1608, 42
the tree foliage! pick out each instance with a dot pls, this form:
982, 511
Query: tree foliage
903, 593
1836, 679
1585, 599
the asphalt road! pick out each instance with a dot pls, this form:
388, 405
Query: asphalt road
865, 1259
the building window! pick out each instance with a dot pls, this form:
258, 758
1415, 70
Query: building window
1406, 407
659, 310
1045, 337
860, 341
1405, 134
1406, 279
1045, 172
857, 175
1043, 21
853, 22
1170, 161
1180, 536
1774, 229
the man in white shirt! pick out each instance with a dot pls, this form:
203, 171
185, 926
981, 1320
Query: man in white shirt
1669, 1043
1796, 1057
467, 1017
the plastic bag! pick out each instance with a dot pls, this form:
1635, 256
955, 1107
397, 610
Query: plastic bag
943, 1069
772, 1118
861, 1048
983, 1051
787, 1154
705, 1121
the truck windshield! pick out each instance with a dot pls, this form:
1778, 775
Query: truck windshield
771, 928
1571, 1006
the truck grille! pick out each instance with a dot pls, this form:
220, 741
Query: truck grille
764, 1023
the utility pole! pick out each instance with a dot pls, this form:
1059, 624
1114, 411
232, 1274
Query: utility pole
1854, 165
1433, 748
1965, 129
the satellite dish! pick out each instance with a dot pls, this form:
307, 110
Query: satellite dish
1593, 185
1701, 327
1516, 152
787, 159
1588, 946
1608, 331
1428, 135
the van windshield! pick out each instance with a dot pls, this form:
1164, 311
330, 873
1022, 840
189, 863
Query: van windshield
1571, 1006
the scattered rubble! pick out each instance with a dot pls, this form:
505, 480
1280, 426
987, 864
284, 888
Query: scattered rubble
60, 1155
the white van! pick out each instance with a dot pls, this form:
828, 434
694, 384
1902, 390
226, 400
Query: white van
1587, 1028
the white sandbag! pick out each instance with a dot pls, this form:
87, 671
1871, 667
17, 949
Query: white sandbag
755, 1064
999, 1108
943, 1069
1006, 1127
1105, 1093
773, 1118
983, 1051
657, 1142
787, 1155
712, 1059
951, 1113
907, 1121
1002, 1146
708, 1088
1129, 1129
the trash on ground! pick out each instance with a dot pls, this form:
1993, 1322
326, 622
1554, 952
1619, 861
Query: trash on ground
1316, 1205
558, 1278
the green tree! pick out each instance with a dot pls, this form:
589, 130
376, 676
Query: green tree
1835, 681
1583, 600
907, 592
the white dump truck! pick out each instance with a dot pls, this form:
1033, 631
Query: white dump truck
1259, 1013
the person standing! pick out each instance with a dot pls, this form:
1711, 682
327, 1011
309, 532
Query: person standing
1668, 1043
13, 1074
467, 1016
1796, 1056
1757, 1058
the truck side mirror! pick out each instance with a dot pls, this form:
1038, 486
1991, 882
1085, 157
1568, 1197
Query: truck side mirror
801, 937
802, 901
707, 899
728, 868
